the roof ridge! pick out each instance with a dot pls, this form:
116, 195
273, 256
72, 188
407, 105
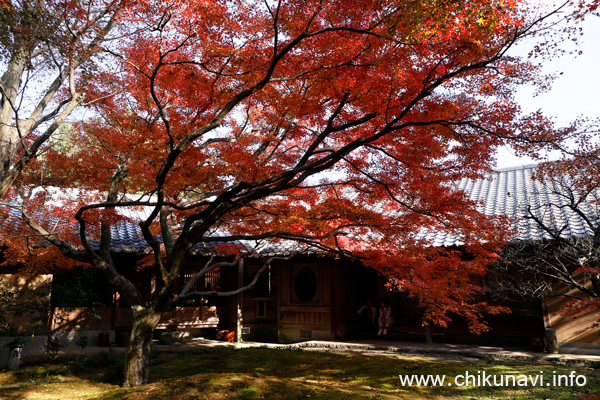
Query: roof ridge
517, 167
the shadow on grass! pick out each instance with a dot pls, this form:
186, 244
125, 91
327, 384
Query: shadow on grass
293, 374
47, 381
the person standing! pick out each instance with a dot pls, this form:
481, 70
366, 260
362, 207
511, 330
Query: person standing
386, 319
368, 315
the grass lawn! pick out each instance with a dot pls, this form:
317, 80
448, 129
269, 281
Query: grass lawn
260, 373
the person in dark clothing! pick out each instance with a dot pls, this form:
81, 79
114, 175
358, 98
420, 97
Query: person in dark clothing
368, 314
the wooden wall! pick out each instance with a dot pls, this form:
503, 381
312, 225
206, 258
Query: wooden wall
582, 330
21, 323
121, 318
305, 301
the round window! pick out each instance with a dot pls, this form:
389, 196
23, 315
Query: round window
305, 284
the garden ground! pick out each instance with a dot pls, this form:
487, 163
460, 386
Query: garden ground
293, 373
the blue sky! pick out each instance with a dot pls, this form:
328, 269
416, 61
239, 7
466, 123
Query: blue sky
575, 93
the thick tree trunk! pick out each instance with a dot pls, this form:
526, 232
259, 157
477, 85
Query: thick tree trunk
137, 364
9, 135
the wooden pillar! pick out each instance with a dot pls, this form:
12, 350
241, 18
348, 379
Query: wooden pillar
239, 303
428, 336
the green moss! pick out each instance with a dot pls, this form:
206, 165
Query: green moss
260, 373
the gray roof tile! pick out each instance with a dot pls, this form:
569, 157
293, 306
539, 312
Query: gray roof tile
509, 192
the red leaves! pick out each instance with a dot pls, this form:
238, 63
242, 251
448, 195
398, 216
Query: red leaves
445, 282
576, 307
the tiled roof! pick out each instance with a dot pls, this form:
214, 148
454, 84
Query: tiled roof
127, 237
510, 192
281, 248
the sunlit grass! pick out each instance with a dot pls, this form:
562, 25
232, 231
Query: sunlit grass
261, 373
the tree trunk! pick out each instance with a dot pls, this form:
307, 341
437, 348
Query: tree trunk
137, 365
9, 135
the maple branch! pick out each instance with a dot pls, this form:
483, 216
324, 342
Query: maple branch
314, 16
208, 266
404, 162
366, 31
156, 248
53, 238
511, 138
195, 295
539, 259
275, 18
335, 156
116, 181
131, 293
174, 154
236, 99
427, 213
310, 240
328, 130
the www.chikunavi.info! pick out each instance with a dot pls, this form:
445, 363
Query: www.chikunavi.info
482, 378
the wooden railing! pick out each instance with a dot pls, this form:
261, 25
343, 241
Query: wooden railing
121, 317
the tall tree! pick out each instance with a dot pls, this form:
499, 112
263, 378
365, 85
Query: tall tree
341, 124
44, 46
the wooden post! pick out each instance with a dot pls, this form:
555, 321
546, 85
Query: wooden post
551, 341
428, 336
240, 303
